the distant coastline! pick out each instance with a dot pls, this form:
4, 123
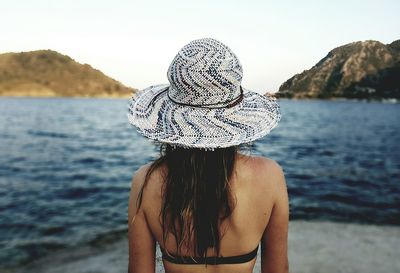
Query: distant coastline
120, 96
47, 73
380, 100
47, 96
360, 70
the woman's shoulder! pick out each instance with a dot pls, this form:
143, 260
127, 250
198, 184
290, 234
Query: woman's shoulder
143, 170
264, 173
151, 186
261, 165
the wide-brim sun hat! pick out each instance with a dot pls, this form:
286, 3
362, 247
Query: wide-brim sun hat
204, 105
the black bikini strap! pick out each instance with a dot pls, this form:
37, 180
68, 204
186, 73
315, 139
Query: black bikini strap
210, 260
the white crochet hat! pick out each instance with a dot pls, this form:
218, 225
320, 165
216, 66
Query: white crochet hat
204, 104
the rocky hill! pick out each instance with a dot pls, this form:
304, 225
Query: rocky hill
46, 73
366, 69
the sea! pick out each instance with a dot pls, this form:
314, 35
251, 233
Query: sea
66, 166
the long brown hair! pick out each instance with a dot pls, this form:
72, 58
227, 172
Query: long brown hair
196, 194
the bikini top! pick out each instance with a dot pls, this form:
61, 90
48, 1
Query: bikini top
209, 260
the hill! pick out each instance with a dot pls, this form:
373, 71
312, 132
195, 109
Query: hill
367, 69
47, 73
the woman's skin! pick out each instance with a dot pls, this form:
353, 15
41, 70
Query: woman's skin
261, 215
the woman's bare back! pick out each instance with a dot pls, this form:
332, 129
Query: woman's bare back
260, 215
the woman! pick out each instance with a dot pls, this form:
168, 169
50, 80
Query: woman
207, 205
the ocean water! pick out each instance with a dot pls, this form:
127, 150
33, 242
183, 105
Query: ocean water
66, 167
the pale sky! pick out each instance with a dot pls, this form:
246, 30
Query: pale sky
135, 41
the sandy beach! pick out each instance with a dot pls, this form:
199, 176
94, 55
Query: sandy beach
322, 247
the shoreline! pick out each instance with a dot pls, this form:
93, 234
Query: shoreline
68, 97
382, 100
314, 246
114, 96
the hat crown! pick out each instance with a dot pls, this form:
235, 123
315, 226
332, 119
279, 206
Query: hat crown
205, 72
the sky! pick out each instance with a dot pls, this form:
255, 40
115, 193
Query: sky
135, 41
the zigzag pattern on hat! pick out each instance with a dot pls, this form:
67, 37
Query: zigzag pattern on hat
199, 106
167, 122
205, 72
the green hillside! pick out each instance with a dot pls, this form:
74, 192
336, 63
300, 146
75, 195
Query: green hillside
366, 69
46, 73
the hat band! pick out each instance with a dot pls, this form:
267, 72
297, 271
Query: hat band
225, 104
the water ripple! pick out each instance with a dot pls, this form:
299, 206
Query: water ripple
66, 167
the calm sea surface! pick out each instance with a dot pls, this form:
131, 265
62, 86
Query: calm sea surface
66, 167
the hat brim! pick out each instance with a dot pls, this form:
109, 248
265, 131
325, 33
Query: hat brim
157, 117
